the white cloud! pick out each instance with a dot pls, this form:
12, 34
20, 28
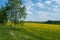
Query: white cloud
28, 7
57, 1
54, 16
43, 14
40, 15
56, 9
40, 5
29, 4
48, 2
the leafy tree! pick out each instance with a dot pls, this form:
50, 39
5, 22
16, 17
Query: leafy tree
3, 15
16, 11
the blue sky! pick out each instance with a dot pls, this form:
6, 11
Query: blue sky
2, 2
41, 10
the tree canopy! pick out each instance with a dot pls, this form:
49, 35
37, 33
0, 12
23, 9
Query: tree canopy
16, 11
13, 11
3, 15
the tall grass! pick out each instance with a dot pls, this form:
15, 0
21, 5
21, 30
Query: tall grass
30, 31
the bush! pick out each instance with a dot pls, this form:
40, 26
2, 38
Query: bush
10, 24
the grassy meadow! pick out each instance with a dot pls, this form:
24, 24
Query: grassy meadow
30, 31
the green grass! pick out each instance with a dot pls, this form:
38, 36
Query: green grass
30, 31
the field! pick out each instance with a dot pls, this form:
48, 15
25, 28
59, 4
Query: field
30, 31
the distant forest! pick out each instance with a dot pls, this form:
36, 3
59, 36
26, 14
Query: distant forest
45, 22
52, 22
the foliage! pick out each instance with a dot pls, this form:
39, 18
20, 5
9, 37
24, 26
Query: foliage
16, 12
13, 11
3, 15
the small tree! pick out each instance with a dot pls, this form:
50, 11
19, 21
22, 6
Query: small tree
16, 12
